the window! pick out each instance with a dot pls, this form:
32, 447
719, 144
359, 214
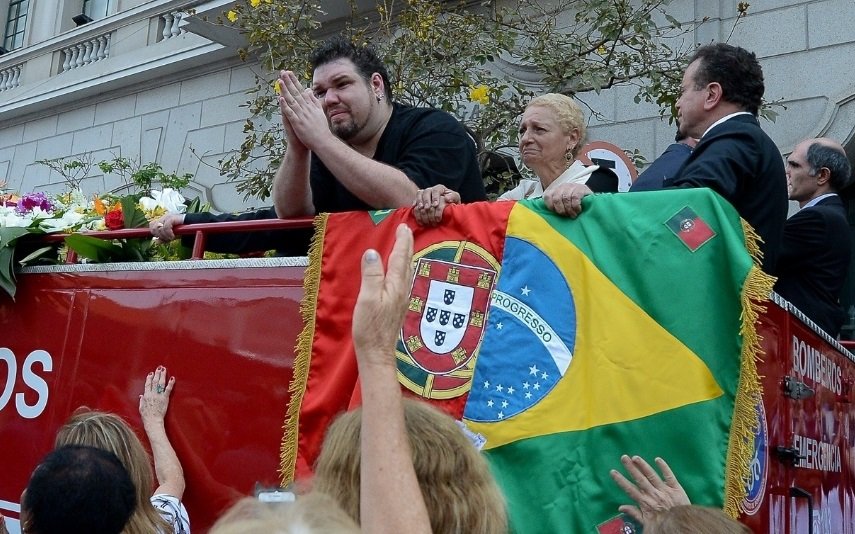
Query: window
96, 9
16, 21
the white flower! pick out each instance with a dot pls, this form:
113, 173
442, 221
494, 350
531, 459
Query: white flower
68, 221
9, 218
168, 199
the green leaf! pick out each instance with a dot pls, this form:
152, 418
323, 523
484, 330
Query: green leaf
98, 250
134, 217
8, 235
7, 274
34, 255
674, 22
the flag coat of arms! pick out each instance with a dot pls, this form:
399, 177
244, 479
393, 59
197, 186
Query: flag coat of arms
561, 343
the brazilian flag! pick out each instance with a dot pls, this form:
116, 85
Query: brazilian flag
629, 330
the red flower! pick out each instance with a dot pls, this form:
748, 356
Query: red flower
114, 220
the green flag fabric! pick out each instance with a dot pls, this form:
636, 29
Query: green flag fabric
629, 330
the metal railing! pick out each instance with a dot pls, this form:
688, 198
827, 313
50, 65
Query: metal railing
199, 231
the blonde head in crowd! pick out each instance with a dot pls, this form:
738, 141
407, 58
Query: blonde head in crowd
309, 514
111, 433
695, 519
567, 113
459, 490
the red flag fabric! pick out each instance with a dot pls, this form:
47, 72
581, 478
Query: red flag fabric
325, 372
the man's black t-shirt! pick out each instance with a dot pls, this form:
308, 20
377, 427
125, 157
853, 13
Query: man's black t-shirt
427, 144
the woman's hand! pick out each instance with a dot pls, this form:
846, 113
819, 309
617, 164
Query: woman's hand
566, 199
652, 494
431, 202
155, 397
153, 405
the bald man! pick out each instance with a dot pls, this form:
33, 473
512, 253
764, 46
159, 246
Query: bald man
816, 247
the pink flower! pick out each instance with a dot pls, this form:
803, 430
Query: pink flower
30, 201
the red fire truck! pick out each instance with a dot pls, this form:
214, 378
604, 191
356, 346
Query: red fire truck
87, 335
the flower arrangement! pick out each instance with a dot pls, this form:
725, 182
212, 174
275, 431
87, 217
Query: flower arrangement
72, 212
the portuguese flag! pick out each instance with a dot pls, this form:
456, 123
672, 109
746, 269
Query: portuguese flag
562, 343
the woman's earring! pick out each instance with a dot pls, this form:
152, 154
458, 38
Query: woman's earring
568, 156
379, 98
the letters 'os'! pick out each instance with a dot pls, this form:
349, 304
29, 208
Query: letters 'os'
31, 380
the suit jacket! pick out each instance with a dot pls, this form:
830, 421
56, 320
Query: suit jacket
741, 163
285, 242
814, 260
662, 168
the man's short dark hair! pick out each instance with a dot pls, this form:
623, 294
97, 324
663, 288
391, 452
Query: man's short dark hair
819, 156
79, 490
735, 69
363, 57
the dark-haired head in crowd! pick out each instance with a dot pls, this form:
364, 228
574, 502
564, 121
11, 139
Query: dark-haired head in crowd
815, 254
78, 490
720, 97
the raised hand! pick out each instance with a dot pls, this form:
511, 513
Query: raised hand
382, 301
303, 116
652, 494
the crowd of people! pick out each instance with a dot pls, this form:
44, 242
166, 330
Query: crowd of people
351, 147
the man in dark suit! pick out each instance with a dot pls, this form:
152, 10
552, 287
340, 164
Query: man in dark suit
816, 249
720, 98
719, 101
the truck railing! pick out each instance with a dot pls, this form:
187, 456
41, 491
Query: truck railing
199, 231
845, 347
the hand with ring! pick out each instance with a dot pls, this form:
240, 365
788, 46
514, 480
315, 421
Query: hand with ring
429, 204
566, 199
154, 400
161, 227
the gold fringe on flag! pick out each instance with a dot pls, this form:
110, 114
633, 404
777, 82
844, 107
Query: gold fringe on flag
288, 448
755, 292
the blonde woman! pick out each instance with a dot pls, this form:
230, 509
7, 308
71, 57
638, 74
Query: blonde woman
314, 513
459, 491
552, 132
159, 511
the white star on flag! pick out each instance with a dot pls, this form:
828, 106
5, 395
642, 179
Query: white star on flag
525, 291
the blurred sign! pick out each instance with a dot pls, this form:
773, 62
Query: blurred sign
611, 157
